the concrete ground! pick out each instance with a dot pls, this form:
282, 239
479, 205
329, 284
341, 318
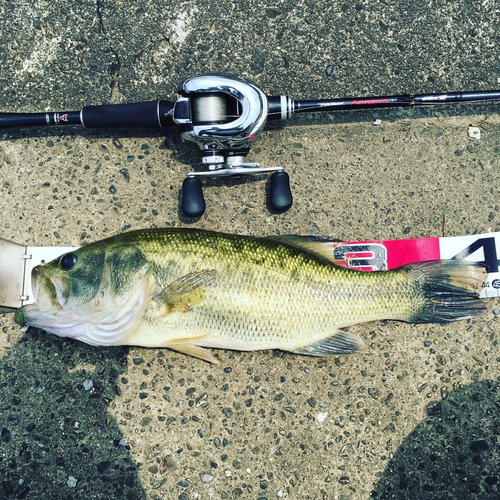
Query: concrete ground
417, 414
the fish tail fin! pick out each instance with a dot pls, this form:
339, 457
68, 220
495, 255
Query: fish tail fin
450, 290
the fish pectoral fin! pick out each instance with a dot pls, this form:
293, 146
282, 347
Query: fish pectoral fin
193, 350
186, 292
341, 343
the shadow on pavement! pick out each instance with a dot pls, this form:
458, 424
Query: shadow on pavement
57, 437
453, 453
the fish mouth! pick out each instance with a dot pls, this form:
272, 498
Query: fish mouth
36, 278
31, 315
44, 291
19, 317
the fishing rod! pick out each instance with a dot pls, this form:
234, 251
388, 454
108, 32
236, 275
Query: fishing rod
224, 116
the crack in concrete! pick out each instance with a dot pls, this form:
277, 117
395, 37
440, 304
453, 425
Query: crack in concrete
116, 94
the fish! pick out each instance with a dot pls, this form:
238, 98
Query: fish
191, 290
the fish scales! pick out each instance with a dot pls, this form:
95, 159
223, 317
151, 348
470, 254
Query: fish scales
207, 289
267, 295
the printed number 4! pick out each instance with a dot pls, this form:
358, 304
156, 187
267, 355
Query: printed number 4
488, 245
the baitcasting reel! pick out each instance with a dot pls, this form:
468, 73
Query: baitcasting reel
224, 115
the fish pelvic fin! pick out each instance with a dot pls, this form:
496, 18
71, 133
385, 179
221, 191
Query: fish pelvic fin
195, 351
340, 343
186, 292
450, 290
191, 347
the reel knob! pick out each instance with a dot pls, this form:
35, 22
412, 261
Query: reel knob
193, 203
280, 197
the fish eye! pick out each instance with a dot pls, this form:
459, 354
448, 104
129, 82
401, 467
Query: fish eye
67, 261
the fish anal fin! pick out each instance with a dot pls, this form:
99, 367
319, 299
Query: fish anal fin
186, 292
314, 244
340, 343
194, 350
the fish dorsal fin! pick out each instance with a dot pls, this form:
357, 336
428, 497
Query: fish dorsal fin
314, 244
341, 343
186, 292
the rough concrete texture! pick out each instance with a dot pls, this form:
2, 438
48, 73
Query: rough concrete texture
416, 415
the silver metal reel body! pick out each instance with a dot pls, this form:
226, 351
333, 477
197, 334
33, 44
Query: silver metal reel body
223, 115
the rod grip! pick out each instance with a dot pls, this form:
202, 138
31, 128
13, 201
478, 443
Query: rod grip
151, 114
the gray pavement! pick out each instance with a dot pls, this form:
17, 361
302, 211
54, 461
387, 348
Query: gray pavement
416, 415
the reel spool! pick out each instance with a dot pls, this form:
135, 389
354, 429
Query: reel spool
224, 116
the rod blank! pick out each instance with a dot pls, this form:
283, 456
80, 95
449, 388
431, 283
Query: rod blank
308, 106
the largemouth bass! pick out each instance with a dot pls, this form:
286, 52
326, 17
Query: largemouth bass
188, 289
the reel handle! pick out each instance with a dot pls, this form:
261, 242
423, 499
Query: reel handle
193, 202
280, 197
